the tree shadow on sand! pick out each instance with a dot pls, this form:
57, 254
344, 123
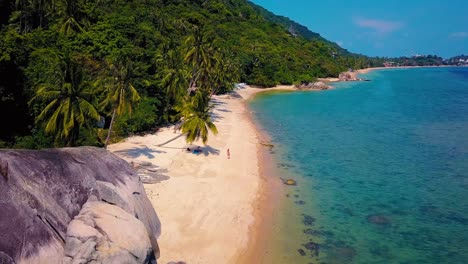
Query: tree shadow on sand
223, 110
207, 150
137, 152
216, 102
150, 173
215, 116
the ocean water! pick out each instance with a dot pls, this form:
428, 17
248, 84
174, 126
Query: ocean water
381, 167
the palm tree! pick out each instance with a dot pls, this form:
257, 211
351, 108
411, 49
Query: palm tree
196, 119
70, 102
174, 74
121, 95
198, 55
70, 16
222, 75
30, 14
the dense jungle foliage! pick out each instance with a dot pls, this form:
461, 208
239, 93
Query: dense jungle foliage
72, 68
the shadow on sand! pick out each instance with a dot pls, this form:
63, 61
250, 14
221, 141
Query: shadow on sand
137, 152
150, 173
207, 150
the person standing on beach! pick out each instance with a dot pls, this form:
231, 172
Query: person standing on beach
228, 154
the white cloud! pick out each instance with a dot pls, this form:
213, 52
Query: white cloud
461, 34
378, 26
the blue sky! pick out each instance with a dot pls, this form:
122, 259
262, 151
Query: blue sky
383, 27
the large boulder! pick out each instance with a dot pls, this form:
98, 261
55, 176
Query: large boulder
74, 205
348, 76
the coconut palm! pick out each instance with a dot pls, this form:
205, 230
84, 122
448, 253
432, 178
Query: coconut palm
198, 55
121, 95
30, 14
70, 16
173, 76
69, 102
196, 119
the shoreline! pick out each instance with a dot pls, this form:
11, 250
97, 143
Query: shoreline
272, 190
354, 75
212, 209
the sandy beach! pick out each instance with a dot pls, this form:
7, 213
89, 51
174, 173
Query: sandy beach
207, 203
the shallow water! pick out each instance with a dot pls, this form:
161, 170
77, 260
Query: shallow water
382, 168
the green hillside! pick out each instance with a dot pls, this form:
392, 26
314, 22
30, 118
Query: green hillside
159, 47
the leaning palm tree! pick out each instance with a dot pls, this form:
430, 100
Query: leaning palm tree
69, 102
121, 95
196, 118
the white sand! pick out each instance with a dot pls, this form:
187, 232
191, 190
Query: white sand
207, 202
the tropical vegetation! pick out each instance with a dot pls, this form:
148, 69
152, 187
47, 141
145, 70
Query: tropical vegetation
81, 72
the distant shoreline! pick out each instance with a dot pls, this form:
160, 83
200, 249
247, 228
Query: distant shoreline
367, 70
354, 76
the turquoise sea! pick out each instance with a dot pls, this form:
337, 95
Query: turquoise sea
381, 167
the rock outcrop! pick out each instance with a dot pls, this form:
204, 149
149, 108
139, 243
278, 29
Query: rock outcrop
348, 76
320, 85
74, 205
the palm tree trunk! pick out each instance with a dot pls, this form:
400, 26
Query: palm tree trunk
192, 81
110, 129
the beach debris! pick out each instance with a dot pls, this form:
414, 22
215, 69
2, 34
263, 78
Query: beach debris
301, 252
313, 248
289, 182
300, 202
308, 220
377, 219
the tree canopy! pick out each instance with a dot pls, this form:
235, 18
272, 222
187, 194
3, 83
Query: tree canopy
167, 48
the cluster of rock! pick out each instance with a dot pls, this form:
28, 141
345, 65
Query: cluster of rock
320, 85
74, 205
350, 76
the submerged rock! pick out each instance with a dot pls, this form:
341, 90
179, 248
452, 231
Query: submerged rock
308, 220
339, 252
301, 252
313, 248
378, 220
344, 254
312, 232
74, 205
300, 202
